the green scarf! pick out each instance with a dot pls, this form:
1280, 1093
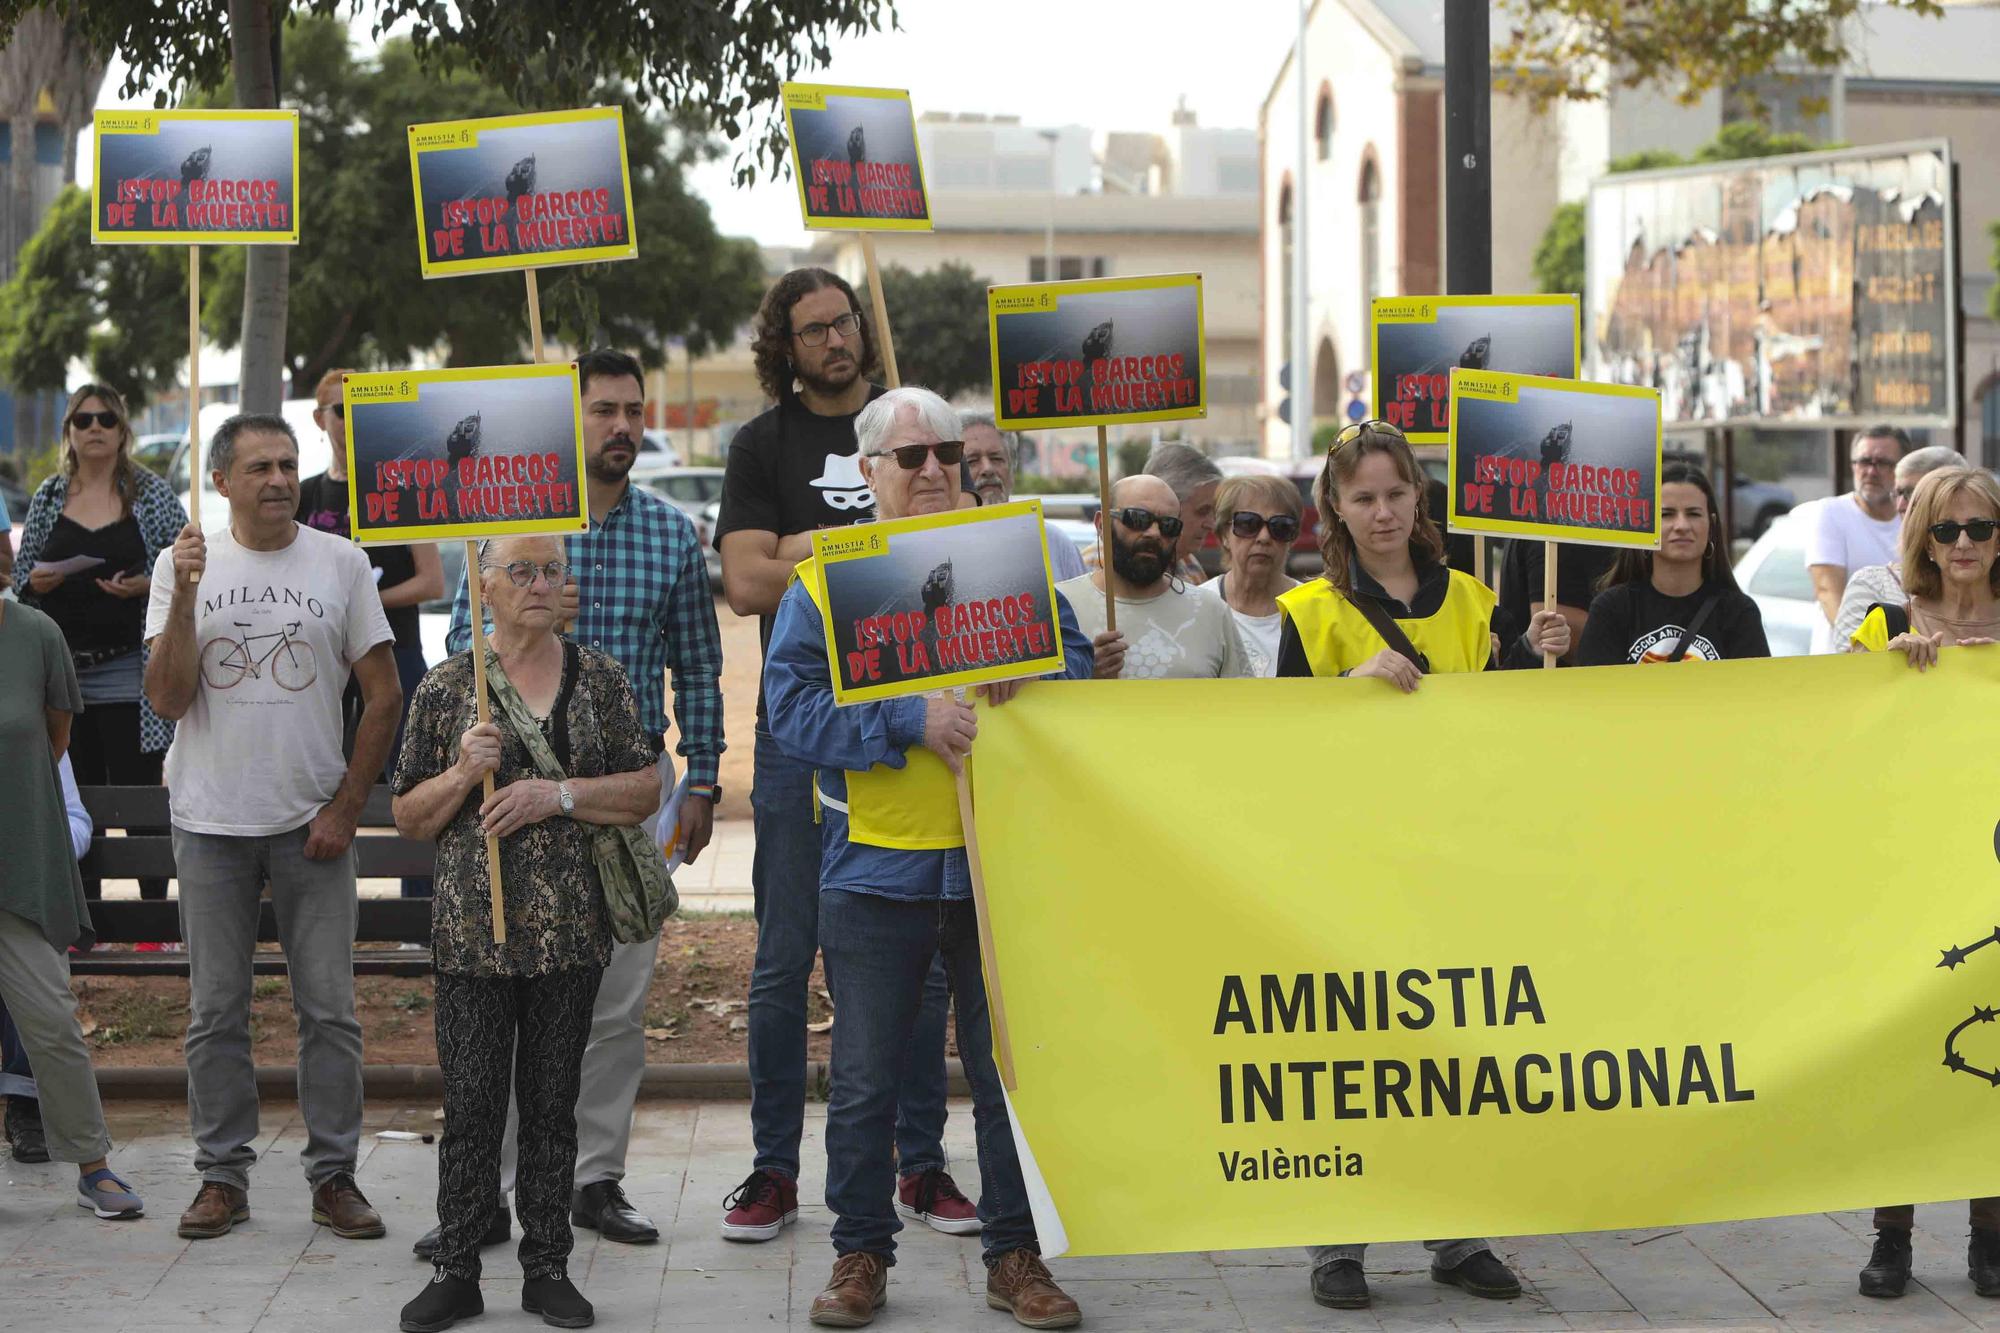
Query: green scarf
639, 894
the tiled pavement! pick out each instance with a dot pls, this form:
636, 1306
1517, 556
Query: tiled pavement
60, 1269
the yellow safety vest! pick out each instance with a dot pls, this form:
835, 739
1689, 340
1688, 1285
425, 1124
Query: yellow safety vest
1337, 638
913, 808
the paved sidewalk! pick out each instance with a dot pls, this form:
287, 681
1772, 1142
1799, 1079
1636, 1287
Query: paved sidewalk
61, 1269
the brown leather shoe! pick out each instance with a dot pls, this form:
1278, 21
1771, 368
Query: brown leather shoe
216, 1208
1020, 1283
858, 1288
339, 1205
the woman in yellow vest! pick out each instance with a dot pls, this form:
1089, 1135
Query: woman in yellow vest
1949, 545
1386, 580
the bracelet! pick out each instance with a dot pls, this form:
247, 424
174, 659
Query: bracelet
703, 790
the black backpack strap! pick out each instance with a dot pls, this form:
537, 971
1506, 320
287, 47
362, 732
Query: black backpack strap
1385, 625
1701, 615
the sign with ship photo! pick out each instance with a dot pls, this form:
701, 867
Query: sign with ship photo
518, 192
470, 453
1098, 352
195, 178
1420, 340
855, 158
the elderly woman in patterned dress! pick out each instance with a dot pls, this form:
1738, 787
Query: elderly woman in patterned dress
536, 989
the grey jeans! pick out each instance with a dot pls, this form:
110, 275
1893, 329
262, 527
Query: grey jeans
1444, 1253
34, 981
221, 880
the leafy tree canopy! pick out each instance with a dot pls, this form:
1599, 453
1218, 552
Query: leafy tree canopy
938, 321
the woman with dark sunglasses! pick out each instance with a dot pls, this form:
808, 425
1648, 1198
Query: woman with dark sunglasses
1680, 603
1951, 535
1258, 519
92, 533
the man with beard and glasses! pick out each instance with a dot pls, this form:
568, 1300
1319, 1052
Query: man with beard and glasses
1165, 631
792, 470
639, 592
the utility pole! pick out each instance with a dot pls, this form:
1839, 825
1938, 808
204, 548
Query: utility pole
1301, 330
1468, 148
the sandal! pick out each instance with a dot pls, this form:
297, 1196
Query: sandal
109, 1197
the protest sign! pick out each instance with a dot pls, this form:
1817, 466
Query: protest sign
1420, 340
920, 604
522, 192
1098, 352
855, 158
487, 452
1383, 1034
195, 178
1564, 460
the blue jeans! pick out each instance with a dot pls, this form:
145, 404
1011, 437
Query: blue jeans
784, 878
879, 952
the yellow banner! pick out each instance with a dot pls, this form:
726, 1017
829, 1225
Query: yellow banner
1309, 961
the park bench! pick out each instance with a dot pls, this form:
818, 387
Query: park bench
384, 921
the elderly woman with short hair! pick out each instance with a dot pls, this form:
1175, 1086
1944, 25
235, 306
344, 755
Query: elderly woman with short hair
555, 705
1258, 519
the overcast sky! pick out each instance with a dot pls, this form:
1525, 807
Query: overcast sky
1119, 65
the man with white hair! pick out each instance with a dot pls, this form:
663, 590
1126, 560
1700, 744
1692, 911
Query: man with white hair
1195, 479
895, 892
991, 455
1884, 583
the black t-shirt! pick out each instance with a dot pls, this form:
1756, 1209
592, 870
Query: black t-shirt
792, 470
323, 505
91, 619
1635, 622
1578, 568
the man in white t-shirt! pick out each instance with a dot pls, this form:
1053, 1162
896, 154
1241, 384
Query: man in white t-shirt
1846, 532
251, 662
1166, 630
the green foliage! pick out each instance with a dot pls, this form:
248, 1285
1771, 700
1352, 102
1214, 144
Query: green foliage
937, 321
1129, 458
1559, 254
1556, 50
1748, 138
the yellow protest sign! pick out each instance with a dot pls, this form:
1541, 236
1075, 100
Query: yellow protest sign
194, 178
856, 158
1098, 352
1652, 948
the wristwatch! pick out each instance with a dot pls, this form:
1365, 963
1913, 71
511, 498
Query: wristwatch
565, 798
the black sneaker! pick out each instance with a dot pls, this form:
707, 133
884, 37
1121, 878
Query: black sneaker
1340, 1285
24, 1130
1982, 1261
1888, 1270
556, 1299
498, 1232
445, 1301
1480, 1274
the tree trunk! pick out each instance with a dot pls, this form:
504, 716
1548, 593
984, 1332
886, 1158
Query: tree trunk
253, 37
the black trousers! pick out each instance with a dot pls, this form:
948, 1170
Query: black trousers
104, 752
536, 1027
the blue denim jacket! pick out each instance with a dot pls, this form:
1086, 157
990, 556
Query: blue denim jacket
811, 728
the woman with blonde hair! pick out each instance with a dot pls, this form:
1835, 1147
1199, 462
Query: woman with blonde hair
1258, 518
102, 507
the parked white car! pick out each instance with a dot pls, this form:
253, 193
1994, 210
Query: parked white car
1773, 572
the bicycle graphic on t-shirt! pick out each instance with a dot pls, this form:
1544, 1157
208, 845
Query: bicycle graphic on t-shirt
226, 662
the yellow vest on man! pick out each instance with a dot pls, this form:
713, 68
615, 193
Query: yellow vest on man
913, 808
1337, 637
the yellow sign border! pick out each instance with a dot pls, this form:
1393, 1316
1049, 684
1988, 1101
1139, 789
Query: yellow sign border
460, 531
451, 268
791, 94
1029, 291
1377, 317
838, 546
1507, 389
98, 236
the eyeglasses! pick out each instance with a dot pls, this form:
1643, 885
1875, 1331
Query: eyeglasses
523, 572
83, 420
1352, 431
1979, 529
336, 407
814, 335
1139, 520
1868, 460
1284, 528
1905, 492
910, 457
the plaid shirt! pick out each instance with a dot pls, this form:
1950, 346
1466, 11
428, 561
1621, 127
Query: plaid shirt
643, 598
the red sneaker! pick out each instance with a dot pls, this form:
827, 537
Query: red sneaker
761, 1207
933, 1197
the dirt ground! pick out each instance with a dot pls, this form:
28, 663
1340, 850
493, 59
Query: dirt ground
741, 665
695, 1014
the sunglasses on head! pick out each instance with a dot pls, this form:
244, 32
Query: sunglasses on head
83, 420
1139, 520
1353, 431
1979, 529
1284, 528
910, 457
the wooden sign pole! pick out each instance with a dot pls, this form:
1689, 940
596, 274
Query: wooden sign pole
1549, 550
881, 305
479, 695
194, 393
534, 312
996, 1005
1104, 537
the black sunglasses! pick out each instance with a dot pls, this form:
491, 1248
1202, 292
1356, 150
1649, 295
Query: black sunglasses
1139, 520
338, 408
1284, 528
82, 420
910, 457
1979, 529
